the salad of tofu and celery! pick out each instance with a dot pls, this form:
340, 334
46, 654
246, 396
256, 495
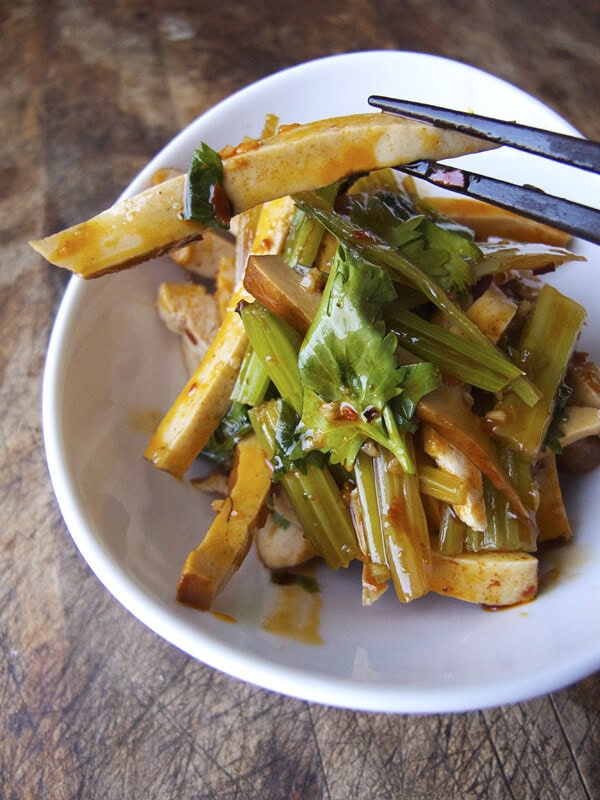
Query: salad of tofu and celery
376, 376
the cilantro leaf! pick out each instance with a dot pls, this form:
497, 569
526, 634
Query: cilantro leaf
340, 437
347, 355
233, 427
287, 453
348, 366
419, 379
555, 430
443, 254
288, 578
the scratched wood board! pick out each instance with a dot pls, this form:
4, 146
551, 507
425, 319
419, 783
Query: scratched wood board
93, 704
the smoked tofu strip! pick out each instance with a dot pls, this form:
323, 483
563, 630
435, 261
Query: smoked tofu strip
490, 578
299, 158
209, 567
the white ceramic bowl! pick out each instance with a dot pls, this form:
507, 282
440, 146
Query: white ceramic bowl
112, 368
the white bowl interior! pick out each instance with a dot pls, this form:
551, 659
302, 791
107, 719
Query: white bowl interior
113, 369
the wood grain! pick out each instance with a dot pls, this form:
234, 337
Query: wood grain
93, 705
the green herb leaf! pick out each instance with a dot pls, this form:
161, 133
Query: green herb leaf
555, 431
288, 453
205, 198
421, 206
339, 437
376, 251
419, 379
348, 366
306, 582
282, 522
441, 253
233, 427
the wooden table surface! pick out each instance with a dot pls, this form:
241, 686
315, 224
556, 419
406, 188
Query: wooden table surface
94, 705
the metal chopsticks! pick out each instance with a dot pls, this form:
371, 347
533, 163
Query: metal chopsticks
577, 219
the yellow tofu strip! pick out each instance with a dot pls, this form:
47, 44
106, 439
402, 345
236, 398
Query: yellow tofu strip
192, 419
486, 220
488, 578
551, 515
142, 227
304, 157
209, 567
199, 407
299, 158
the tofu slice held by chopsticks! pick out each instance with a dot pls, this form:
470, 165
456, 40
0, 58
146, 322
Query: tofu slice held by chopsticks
298, 158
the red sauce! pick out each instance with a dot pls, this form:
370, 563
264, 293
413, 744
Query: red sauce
220, 203
347, 412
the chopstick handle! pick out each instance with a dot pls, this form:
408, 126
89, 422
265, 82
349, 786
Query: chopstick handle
571, 150
574, 218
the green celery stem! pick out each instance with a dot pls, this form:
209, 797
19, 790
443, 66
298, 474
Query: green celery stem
373, 546
314, 495
546, 345
252, 381
276, 344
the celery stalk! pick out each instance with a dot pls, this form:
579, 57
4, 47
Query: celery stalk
546, 344
314, 495
306, 233
405, 531
252, 380
453, 354
502, 531
506, 530
370, 531
520, 474
472, 540
503, 526
452, 533
440, 484
276, 344
321, 511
